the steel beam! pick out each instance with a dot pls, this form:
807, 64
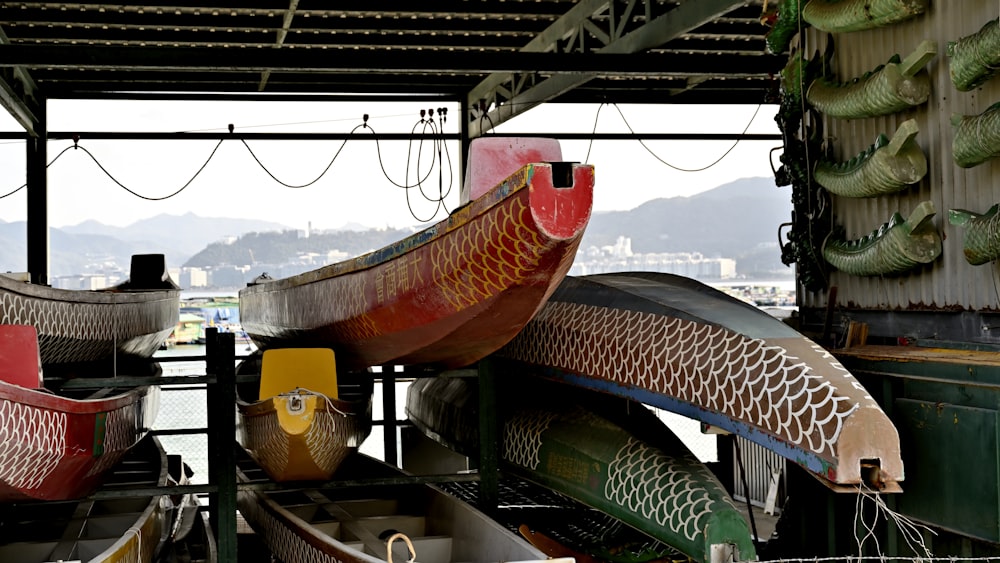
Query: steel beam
17, 101
672, 24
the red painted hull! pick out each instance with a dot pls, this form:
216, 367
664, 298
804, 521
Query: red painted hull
57, 448
447, 296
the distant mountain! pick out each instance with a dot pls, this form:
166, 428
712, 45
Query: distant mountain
186, 234
91, 245
737, 220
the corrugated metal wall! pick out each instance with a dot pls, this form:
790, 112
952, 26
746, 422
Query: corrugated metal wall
950, 282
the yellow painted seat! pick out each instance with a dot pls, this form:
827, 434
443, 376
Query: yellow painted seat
285, 369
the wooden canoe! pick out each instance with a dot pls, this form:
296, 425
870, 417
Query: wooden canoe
675, 343
615, 457
112, 530
354, 524
131, 320
446, 296
309, 420
59, 447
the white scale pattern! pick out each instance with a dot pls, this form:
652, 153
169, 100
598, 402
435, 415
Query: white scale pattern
32, 442
705, 365
331, 437
77, 332
120, 434
523, 438
283, 543
266, 440
647, 482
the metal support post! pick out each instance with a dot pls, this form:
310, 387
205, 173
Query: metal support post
221, 359
389, 414
488, 438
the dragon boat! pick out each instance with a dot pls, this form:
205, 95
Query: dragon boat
128, 321
300, 422
59, 447
372, 524
114, 528
452, 293
898, 246
677, 344
606, 458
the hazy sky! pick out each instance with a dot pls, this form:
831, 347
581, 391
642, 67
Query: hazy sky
354, 189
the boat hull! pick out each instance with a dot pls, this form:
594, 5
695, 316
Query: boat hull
59, 448
680, 345
117, 530
302, 437
87, 326
320, 526
447, 296
573, 448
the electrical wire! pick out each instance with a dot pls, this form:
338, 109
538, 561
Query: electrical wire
321, 174
678, 168
147, 198
24, 185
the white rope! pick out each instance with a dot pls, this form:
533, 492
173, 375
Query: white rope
881, 558
329, 401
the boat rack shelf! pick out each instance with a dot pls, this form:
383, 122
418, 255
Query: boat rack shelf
220, 381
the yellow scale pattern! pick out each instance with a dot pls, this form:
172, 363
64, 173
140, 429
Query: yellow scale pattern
705, 365
32, 442
500, 262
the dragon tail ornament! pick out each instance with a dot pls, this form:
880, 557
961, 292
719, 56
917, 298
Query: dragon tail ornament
886, 167
837, 16
975, 58
896, 247
889, 88
982, 233
977, 137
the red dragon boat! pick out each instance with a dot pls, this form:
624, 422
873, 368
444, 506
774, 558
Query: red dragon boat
448, 295
56, 447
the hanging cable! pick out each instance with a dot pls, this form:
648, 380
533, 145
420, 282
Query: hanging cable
51, 162
138, 195
593, 131
679, 169
321, 174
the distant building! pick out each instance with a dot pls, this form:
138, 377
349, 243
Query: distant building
193, 277
620, 258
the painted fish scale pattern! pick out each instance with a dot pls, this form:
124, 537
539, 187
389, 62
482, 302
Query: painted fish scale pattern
282, 542
266, 440
78, 332
331, 437
499, 262
659, 488
700, 364
32, 441
523, 438
122, 430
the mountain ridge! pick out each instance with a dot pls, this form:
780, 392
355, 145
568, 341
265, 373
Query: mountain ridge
736, 220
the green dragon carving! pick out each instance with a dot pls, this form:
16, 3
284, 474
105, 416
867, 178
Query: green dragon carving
982, 233
784, 26
892, 87
896, 247
885, 167
837, 16
975, 58
977, 137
